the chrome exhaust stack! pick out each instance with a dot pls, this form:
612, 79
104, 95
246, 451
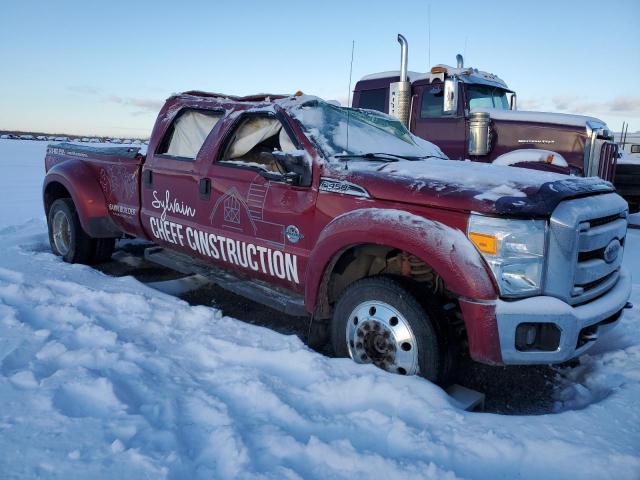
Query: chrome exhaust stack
404, 60
459, 61
400, 92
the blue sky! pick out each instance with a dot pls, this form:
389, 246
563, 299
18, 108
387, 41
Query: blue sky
104, 68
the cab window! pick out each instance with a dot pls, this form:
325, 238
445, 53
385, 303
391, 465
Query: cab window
187, 133
261, 142
373, 99
432, 101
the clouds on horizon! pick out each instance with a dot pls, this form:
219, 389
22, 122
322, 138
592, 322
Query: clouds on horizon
618, 106
144, 105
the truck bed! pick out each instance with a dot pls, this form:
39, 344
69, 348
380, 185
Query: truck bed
117, 171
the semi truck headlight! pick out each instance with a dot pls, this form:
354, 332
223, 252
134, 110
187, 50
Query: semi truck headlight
514, 250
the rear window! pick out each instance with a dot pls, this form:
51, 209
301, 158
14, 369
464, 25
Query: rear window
373, 99
188, 132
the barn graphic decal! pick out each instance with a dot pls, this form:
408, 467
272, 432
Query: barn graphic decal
245, 214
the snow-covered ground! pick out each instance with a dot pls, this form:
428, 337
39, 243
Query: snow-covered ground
104, 377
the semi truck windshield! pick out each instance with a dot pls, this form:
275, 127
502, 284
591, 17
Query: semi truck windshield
483, 96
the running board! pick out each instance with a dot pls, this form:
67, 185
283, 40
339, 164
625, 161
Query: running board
284, 301
470, 400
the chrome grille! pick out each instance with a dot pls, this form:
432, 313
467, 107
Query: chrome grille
580, 231
607, 161
600, 152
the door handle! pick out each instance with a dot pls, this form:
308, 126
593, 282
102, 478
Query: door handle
205, 188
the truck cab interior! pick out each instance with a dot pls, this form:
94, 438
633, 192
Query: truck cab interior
260, 141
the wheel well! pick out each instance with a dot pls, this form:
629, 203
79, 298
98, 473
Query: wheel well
367, 260
416, 276
53, 192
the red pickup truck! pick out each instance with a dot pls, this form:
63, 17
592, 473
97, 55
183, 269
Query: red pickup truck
343, 216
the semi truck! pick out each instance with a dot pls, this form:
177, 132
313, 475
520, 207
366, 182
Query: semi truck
472, 114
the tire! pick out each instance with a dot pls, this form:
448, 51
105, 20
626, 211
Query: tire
103, 250
377, 320
66, 236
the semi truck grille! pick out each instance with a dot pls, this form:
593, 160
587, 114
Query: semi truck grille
600, 152
608, 160
586, 245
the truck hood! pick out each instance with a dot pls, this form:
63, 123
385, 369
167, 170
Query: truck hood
539, 117
471, 186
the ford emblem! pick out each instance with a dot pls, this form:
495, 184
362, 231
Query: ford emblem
611, 251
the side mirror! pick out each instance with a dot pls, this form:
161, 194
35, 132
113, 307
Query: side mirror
450, 106
297, 163
290, 178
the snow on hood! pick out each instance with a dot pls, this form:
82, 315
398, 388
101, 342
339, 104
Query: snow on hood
471, 186
539, 117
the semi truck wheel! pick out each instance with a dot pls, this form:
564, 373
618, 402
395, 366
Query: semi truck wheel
377, 320
66, 236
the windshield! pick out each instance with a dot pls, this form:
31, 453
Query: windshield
368, 131
484, 96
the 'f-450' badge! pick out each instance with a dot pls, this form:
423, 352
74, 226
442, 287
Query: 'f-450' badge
293, 234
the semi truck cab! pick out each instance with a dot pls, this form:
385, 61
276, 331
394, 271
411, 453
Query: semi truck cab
471, 114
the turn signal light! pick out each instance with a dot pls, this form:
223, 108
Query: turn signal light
485, 243
438, 70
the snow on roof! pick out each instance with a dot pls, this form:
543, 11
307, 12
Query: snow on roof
539, 117
471, 75
258, 97
413, 76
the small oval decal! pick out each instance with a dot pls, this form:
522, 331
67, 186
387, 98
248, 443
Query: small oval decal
293, 234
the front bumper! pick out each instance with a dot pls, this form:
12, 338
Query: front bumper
601, 315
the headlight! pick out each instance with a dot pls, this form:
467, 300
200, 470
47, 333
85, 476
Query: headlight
514, 249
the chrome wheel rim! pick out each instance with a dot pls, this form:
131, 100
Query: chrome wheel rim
62, 232
378, 333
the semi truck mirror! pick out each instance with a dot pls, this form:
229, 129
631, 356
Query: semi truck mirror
450, 96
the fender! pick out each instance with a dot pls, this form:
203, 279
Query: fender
82, 184
447, 250
444, 248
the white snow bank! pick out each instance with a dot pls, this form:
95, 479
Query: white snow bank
104, 377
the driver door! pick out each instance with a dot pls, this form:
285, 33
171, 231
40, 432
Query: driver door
262, 199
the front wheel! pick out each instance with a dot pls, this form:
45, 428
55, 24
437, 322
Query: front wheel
376, 320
